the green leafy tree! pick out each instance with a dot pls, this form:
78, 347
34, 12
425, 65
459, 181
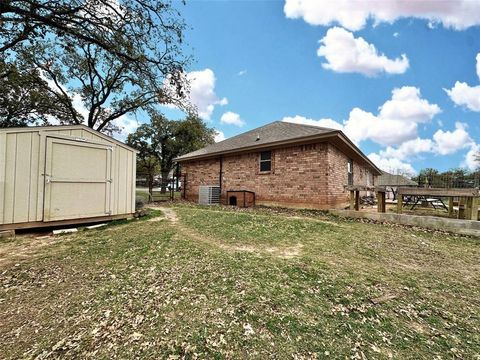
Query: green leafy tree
453, 178
116, 57
137, 32
167, 139
26, 99
426, 177
147, 162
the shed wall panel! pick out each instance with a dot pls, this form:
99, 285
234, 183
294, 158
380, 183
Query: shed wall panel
121, 177
34, 175
22, 173
22, 167
3, 154
9, 200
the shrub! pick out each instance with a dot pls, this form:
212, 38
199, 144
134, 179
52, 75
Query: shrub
139, 203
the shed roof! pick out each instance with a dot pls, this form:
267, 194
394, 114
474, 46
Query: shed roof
387, 179
68, 127
277, 133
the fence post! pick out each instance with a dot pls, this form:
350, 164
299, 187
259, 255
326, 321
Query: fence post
474, 208
461, 208
381, 207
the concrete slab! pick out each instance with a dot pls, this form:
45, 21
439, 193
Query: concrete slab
457, 226
64, 231
96, 226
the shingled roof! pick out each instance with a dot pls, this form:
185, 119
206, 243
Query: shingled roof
387, 179
273, 134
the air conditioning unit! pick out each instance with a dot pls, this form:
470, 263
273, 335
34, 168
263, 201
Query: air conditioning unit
209, 195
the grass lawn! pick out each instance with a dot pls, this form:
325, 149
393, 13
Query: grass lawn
211, 283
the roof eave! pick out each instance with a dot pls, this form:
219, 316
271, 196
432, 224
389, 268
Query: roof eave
359, 152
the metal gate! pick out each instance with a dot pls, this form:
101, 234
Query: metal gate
78, 180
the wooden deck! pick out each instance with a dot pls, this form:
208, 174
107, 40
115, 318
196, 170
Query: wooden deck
468, 202
438, 192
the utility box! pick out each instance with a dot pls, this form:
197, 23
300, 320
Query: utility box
209, 195
58, 175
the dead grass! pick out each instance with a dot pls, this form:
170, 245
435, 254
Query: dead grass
215, 283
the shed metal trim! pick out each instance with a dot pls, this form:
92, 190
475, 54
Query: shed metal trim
67, 127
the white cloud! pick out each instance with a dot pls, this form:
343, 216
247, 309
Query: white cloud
392, 165
463, 94
396, 34
353, 14
395, 127
396, 159
327, 123
407, 105
442, 143
232, 118
219, 136
346, 54
127, 126
477, 58
449, 142
408, 149
202, 92
471, 161
397, 120
362, 125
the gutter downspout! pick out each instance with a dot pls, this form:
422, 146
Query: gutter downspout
220, 177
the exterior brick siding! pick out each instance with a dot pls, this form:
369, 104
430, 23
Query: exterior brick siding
311, 176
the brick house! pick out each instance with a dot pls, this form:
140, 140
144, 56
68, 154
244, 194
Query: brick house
283, 163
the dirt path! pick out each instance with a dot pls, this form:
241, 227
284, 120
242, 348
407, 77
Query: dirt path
170, 214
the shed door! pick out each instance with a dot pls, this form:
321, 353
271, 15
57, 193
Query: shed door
77, 180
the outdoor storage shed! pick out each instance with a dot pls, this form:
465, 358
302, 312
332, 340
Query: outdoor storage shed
59, 175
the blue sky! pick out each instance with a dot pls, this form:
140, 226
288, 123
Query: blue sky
257, 62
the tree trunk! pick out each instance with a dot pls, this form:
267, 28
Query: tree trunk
164, 174
150, 186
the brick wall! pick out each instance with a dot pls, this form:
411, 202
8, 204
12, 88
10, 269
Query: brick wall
338, 177
310, 176
201, 172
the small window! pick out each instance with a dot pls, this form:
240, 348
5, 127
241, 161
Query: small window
266, 161
350, 171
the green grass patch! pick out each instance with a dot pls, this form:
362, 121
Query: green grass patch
244, 284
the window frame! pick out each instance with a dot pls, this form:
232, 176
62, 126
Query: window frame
350, 172
262, 161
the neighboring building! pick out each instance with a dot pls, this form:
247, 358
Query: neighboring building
59, 175
391, 182
283, 163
